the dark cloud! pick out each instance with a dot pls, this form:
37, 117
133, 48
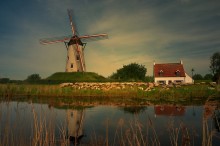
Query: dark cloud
139, 31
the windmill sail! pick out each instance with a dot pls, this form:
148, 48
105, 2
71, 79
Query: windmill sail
45, 41
73, 27
85, 38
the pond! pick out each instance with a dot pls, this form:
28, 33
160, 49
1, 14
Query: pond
28, 123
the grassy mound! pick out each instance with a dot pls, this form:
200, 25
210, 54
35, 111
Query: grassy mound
76, 77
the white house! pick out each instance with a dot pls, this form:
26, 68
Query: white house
171, 73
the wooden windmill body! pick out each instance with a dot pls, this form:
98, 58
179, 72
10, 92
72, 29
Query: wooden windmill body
75, 61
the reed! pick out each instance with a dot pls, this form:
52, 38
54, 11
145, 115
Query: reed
132, 134
14, 130
43, 133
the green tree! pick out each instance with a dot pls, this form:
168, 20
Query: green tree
197, 77
33, 78
208, 77
215, 66
132, 72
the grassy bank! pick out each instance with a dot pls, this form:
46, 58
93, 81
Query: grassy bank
184, 94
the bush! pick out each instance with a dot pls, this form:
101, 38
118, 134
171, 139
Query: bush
208, 77
34, 78
197, 77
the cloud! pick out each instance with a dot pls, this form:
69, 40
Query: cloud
139, 31
146, 32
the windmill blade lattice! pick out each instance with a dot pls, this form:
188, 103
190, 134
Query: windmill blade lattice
96, 37
72, 24
45, 41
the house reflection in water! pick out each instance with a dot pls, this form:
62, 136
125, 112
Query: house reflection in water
169, 110
75, 125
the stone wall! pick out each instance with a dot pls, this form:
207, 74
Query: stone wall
105, 86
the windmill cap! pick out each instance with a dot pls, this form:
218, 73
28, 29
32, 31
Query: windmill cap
75, 40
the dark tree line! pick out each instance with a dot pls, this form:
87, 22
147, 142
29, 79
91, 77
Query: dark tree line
30, 79
200, 77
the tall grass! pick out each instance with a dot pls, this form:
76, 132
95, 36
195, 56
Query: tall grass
21, 130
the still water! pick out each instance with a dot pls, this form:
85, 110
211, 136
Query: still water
27, 123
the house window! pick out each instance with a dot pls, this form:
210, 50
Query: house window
71, 66
177, 73
161, 73
178, 81
161, 82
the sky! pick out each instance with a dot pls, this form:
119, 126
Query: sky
140, 31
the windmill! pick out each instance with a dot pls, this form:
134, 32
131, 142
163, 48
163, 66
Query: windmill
75, 123
75, 61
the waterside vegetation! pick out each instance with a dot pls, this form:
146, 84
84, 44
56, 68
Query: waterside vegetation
134, 93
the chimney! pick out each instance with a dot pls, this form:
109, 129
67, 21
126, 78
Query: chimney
181, 62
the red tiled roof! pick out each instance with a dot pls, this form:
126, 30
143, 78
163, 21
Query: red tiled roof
169, 70
169, 110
